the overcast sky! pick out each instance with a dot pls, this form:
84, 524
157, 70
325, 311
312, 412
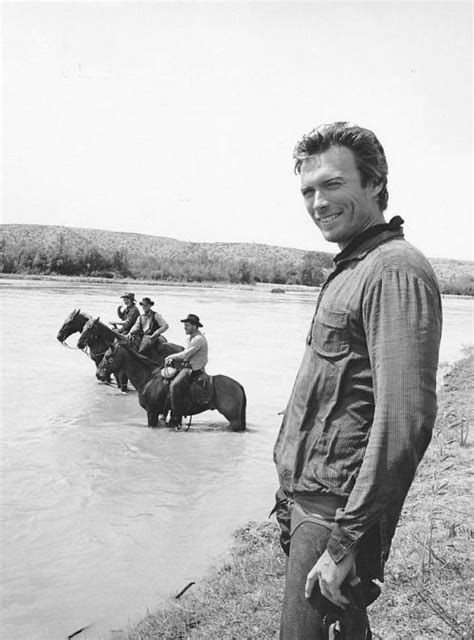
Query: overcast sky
179, 119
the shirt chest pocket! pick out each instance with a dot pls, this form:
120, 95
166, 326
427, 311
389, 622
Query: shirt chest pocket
330, 333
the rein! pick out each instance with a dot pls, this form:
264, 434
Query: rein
86, 352
101, 353
68, 346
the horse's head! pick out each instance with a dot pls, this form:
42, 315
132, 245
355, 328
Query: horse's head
89, 333
73, 323
111, 362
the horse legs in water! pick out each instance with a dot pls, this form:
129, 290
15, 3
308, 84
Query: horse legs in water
155, 417
122, 381
230, 400
152, 416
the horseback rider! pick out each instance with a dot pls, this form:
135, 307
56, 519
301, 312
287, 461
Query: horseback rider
148, 328
194, 358
127, 312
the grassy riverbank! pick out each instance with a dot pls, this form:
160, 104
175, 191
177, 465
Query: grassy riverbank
425, 595
134, 284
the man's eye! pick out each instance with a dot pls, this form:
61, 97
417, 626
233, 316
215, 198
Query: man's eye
333, 185
308, 193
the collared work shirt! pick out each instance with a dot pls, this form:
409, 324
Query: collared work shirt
363, 405
196, 352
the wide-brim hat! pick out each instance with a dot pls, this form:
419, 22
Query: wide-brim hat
130, 296
192, 319
147, 301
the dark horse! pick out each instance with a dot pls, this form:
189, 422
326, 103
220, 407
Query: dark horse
75, 323
96, 332
228, 395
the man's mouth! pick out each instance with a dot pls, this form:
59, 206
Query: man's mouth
330, 218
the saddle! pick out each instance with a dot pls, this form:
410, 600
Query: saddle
201, 389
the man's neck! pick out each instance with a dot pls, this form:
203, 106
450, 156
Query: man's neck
373, 222
393, 225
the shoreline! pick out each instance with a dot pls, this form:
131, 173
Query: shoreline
279, 288
427, 576
265, 286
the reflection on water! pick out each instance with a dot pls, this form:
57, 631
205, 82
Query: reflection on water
103, 517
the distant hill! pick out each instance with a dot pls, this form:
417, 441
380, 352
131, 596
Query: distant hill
76, 251
46, 249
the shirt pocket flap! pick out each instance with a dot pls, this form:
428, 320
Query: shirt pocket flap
330, 336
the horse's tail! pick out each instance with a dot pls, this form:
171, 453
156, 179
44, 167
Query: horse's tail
243, 408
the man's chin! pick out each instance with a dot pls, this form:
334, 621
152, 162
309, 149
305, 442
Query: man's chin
330, 235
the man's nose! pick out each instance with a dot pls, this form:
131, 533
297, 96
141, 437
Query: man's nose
320, 202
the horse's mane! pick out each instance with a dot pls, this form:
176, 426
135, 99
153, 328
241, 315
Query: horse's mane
148, 362
105, 329
75, 312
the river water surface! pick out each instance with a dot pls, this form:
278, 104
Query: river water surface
103, 518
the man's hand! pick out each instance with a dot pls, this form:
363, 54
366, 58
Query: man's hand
330, 577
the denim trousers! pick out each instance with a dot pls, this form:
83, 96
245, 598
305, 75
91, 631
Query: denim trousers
302, 618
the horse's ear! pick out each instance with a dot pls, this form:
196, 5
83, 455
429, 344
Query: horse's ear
96, 320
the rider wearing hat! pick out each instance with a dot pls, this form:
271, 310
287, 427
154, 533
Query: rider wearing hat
195, 354
149, 327
127, 312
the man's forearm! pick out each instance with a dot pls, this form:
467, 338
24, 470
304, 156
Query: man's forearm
159, 331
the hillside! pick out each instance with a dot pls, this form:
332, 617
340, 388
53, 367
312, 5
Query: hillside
45, 249
74, 251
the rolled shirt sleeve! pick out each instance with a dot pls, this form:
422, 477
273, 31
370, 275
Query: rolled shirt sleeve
160, 320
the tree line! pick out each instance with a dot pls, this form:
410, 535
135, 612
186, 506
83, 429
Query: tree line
63, 258
49, 250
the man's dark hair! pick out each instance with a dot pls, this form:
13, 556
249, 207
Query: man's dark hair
368, 152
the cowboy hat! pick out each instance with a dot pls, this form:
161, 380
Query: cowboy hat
147, 301
192, 319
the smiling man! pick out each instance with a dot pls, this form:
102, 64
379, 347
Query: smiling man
363, 405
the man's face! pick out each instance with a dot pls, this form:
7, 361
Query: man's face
335, 198
127, 302
146, 307
189, 328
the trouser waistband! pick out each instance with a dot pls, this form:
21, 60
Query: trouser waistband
320, 505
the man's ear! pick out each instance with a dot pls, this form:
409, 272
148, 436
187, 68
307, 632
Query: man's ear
376, 189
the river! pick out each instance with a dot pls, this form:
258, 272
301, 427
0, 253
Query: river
103, 518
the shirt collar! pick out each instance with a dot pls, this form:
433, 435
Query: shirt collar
364, 242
